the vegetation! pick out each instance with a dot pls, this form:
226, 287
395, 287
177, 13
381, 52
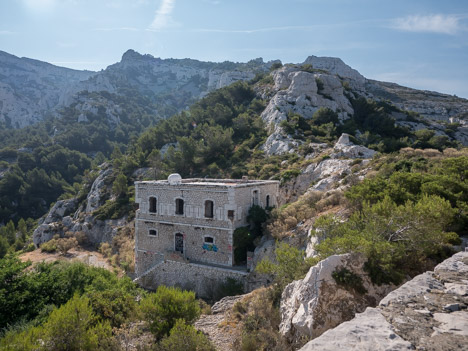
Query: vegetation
68, 306
168, 306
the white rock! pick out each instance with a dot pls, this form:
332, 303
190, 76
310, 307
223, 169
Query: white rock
369, 331
317, 303
345, 148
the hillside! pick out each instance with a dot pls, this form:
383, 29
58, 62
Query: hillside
372, 193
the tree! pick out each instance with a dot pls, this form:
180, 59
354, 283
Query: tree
162, 309
119, 187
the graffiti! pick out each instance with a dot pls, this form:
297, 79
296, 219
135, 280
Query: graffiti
210, 247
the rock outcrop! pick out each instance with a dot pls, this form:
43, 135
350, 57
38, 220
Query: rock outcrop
331, 170
311, 306
347, 149
66, 216
428, 312
214, 324
302, 92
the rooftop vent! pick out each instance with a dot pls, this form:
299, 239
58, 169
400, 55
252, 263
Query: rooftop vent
174, 179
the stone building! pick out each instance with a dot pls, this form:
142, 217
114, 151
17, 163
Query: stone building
184, 228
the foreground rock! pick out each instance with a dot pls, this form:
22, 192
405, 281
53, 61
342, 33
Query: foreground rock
311, 306
427, 313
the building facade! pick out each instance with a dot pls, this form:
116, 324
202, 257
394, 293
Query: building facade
193, 220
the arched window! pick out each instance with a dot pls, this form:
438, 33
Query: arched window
152, 232
179, 206
209, 209
153, 204
267, 201
255, 197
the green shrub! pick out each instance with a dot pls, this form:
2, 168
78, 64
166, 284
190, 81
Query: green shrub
183, 337
162, 309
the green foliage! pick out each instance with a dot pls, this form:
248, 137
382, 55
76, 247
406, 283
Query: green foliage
349, 280
183, 337
257, 217
24, 294
162, 309
119, 187
396, 239
290, 264
411, 178
207, 134
73, 327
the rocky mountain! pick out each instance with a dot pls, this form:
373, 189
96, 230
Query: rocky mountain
30, 89
328, 82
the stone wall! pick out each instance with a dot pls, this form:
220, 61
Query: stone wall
203, 279
195, 249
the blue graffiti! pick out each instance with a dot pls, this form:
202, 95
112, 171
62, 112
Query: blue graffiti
210, 247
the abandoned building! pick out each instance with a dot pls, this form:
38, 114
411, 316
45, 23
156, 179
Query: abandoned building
184, 228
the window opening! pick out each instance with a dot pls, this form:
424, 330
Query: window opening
209, 209
153, 204
179, 206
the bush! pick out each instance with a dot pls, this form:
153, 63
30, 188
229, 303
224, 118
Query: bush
66, 244
49, 246
183, 337
162, 309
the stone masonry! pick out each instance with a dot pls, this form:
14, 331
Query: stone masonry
189, 224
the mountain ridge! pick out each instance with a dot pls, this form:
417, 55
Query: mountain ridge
174, 84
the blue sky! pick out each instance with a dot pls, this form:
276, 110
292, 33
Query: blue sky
418, 43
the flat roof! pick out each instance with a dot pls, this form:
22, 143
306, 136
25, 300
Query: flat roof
211, 182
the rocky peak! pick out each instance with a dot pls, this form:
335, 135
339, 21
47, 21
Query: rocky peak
335, 66
132, 55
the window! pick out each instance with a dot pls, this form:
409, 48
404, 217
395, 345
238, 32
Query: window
255, 197
153, 204
267, 201
209, 209
231, 214
179, 206
209, 240
152, 232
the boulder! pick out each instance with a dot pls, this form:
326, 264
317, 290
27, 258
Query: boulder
346, 148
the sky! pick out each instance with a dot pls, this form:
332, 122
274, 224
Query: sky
422, 44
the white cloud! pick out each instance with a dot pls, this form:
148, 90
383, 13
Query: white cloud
162, 18
6, 32
444, 24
